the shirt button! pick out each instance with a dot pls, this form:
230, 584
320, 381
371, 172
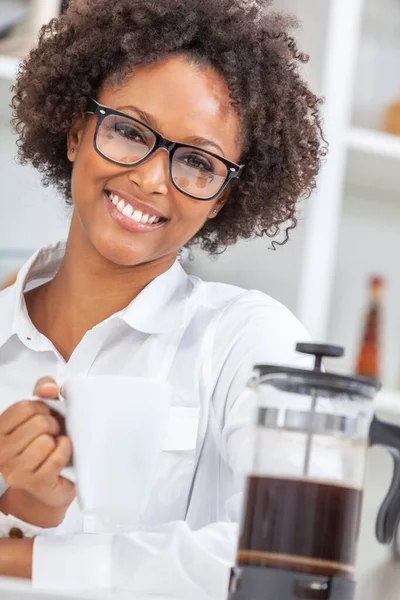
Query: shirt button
15, 533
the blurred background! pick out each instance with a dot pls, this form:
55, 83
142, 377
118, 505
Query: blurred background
348, 233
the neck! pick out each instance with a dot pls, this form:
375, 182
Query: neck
86, 290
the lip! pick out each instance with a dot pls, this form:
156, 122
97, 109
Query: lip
127, 223
136, 204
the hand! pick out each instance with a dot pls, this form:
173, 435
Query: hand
32, 455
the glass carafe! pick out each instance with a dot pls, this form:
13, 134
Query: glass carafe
303, 501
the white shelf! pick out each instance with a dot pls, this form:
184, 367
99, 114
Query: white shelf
8, 67
373, 160
374, 142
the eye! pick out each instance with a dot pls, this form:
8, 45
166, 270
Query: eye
130, 132
196, 161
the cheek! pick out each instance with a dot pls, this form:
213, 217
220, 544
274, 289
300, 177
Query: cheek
190, 211
89, 174
83, 173
188, 217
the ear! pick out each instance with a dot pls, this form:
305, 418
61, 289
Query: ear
218, 206
74, 138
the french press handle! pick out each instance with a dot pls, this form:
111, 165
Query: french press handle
388, 436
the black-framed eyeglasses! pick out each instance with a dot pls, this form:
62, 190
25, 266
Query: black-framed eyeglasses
126, 141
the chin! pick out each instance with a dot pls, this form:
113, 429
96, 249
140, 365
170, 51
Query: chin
129, 254
119, 253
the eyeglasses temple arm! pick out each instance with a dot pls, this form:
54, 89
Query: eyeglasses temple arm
92, 107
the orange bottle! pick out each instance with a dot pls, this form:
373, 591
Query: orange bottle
392, 118
368, 362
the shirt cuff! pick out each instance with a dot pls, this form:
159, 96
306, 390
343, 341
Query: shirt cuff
10, 526
72, 563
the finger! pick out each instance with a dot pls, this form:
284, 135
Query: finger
46, 387
57, 460
47, 477
33, 457
23, 436
60, 420
19, 413
45, 480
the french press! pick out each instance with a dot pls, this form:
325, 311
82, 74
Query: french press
303, 500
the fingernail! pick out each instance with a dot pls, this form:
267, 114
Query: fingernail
47, 385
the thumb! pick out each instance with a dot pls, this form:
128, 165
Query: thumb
46, 387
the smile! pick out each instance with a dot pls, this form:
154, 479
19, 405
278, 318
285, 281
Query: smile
131, 218
136, 215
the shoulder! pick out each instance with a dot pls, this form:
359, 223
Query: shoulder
235, 305
250, 321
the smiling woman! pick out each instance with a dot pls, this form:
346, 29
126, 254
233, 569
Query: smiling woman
252, 55
164, 124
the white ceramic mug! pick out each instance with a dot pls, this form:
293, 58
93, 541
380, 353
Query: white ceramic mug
117, 426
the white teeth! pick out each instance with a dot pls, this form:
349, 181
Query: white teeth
128, 210
137, 216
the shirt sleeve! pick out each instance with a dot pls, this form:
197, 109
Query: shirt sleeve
256, 330
72, 523
10, 524
172, 558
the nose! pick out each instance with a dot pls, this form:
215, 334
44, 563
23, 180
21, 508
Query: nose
152, 176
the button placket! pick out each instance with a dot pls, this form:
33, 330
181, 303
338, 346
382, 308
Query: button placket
87, 351
61, 376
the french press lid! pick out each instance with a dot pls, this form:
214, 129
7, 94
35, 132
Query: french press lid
310, 381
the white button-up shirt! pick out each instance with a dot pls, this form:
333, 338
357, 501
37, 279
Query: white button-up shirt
205, 337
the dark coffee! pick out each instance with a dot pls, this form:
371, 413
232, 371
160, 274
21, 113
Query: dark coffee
300, 524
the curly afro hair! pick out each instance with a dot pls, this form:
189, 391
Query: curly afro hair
97, 41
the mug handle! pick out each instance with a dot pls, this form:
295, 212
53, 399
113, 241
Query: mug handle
388, 436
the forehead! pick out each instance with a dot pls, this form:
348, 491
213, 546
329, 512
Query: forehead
185, 99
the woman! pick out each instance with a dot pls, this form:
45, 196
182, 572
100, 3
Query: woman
96, 106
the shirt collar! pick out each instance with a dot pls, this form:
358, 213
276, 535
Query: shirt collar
160, 308
41, 267
163, 305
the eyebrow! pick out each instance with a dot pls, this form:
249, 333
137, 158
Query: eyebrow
144, 116
200, 141
194, 140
